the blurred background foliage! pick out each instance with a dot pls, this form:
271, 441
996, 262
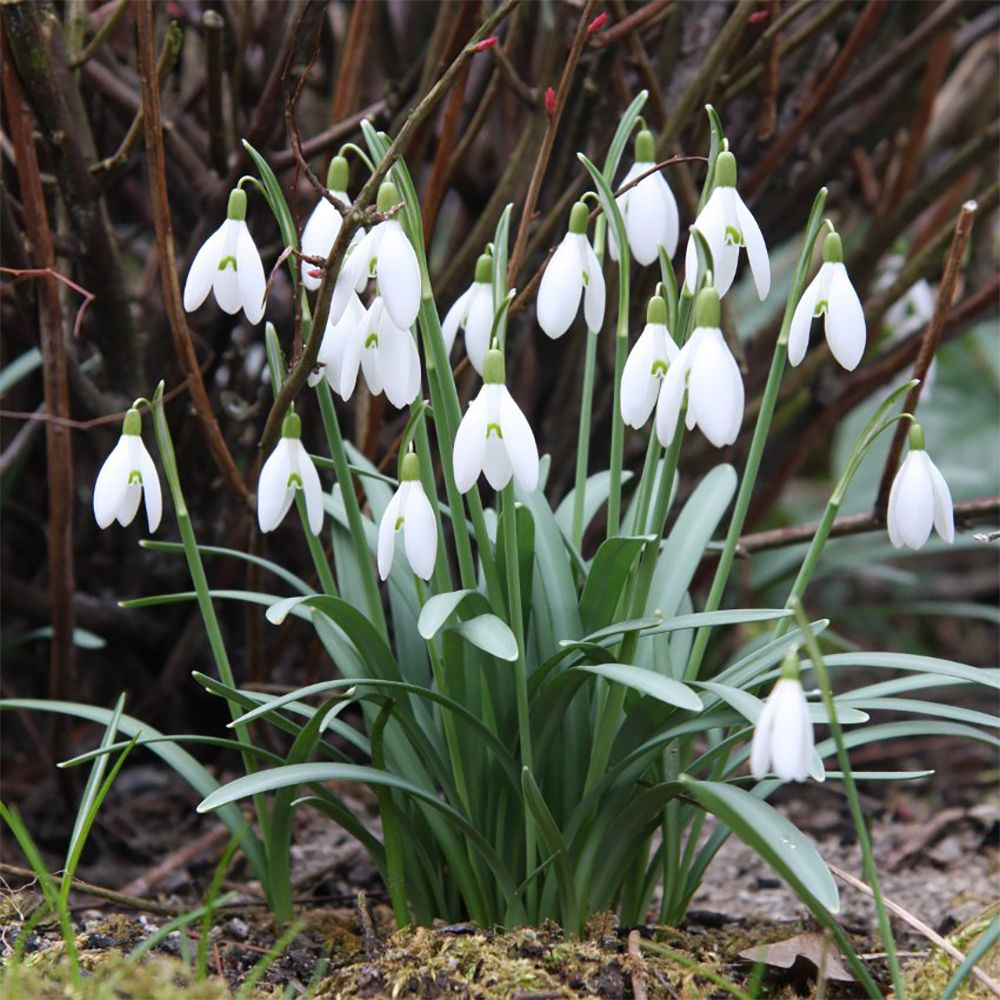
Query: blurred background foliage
893, 106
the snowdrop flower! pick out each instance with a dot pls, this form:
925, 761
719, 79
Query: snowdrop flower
919, 499
289, 468
649, 210
473, 312
573, 270
830, 293
385, 352
228, 264
783, 736
494, 437
324, 224
408, 511
386, 253
727, 225
128, 475
705, 369
336, 337
647, 365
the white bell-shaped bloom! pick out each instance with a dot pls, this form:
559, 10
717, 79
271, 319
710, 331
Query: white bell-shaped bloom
410, 512
386, 254
473, 313
706, 370
647, 365
783, 736
287, 469
919, 499
831, 294
336, 338
127, 476
229, 265
322, 227
386, 353
727, 225
494, 437
649, 210
574, 270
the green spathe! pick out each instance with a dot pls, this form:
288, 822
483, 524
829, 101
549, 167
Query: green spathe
338, 173
237, 208
493, 368
833, 249
484, 269
388, 196
656, 311
132, 424
578, 218
291, 427
706, 308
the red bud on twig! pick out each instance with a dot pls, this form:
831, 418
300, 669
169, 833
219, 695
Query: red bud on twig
598, 22
486, 43
550, 101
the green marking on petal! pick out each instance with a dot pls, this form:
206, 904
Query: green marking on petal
821, 307
493, 429
371, 340
135, 478
294, 482
586, 277
659, 369
399, 522
733, 237
226, 261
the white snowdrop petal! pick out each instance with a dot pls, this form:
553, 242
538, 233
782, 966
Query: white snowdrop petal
479, 325
647, 222
560, 289
798, 334
944, 511
672, 388
150, 488
760, 748
312, 488
496, 463
453, 318
250, 273
753, 239
130, 504
226, 283
912, 501
201, 274
594, 292
716, 390
519, 443
419, 532
112, 483
671, 232
398, 276
711, 223
272, 488
398, 359
845, 320
726, 257
387, 533
639, 387
318, 237
470, 444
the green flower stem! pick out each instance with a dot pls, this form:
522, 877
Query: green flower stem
373, 599
279, 896
392, 835
508, 518
649, 470
320, 562
767, 406
442, 572
583, 438
864, 840
617, 424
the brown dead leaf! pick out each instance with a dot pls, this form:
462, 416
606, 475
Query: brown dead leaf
813, 947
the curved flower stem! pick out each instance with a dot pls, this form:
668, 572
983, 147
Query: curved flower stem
864, 840
756, 452
645, 492
583, 438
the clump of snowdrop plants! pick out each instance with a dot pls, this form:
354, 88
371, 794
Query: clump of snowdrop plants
532, 693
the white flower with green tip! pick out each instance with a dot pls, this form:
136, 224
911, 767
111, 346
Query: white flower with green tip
647, 365
649, 210
783, 736
727, 224
573, 271
706, 371
324, 224
473, 313
229, 265
919, 499
126, 477
832, 295
494, 437
287, 469
336, 338
410, 512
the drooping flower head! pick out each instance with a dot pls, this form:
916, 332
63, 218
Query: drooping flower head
473, 313
727, 225
649, 210
647, 365
126, 477
289, 468
704, 370
229, 265
386, 254
783, 736
831, 294
919, 499
494, 438
410, 512
574, 270
324, 224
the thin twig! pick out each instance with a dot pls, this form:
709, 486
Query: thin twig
928, 347
648, 13
639, 990
918, 925
50, 272
548, 140
214, 26
172, 303
90, 50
